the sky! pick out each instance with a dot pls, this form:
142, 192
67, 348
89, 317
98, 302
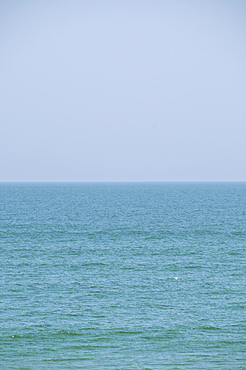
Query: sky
122, 90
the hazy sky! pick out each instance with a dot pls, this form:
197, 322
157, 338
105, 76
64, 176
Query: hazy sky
122, 90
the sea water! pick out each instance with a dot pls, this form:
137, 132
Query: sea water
123, 276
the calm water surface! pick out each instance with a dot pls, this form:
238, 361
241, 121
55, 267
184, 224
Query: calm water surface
123, 276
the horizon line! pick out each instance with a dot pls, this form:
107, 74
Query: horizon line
122, 182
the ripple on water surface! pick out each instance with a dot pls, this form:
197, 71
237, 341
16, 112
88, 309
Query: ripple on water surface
122, 276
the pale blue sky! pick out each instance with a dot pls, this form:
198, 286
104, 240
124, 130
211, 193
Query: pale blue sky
122, 90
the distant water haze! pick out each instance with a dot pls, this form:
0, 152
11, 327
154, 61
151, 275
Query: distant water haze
122, 91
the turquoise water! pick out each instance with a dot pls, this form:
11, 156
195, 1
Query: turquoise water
123, 276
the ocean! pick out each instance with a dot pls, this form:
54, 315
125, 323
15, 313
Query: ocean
122, 276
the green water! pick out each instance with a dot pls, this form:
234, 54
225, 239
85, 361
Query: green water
123, 276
